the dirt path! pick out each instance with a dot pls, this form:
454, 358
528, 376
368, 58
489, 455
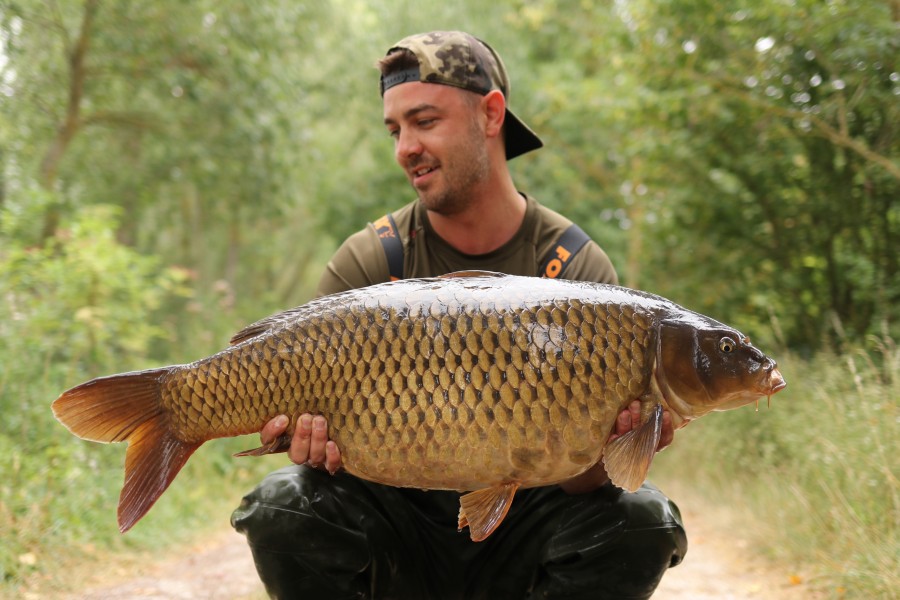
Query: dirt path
220, 568
718, 566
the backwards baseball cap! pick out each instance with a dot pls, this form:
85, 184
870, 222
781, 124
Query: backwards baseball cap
460, 60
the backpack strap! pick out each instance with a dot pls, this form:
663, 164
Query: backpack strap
389, 236
561, 253
553, 266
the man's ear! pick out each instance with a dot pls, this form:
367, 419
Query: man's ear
495, 110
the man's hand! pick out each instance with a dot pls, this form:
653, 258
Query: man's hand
627, 420
309, 444
630, 418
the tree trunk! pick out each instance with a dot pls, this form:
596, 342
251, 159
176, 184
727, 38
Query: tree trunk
66, 131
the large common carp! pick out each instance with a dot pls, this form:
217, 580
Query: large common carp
475, 382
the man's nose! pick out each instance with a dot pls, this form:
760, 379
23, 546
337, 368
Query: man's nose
408, 145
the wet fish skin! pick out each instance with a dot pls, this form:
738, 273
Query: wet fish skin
429, 391
469, 382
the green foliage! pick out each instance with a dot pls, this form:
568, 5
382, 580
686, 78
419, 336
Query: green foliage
82, 306
784, 182
817, 473
84, 298
78, 307
243, 142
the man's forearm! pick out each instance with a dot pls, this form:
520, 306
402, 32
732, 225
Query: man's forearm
592, 479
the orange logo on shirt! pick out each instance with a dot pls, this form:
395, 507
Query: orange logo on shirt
555, 266
383, 227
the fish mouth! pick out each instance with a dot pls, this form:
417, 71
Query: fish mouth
775, 384
776, 381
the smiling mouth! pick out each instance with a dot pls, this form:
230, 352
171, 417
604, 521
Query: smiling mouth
422, 171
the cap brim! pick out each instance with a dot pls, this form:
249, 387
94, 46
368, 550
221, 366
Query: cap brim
519, 137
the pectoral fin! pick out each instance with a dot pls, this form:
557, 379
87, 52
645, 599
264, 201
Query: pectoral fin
280, 444
627, 459
484, 510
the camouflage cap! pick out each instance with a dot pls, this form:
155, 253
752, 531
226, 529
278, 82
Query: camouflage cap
460, 60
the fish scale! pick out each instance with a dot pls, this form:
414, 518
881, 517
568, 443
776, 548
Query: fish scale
477, 382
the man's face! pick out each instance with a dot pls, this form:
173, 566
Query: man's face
439, 142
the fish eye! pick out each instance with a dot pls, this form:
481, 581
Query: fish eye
727, 345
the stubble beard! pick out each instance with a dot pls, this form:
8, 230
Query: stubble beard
468, 167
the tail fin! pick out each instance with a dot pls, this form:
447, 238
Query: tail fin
127, 408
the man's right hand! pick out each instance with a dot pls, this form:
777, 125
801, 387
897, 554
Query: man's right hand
309, 444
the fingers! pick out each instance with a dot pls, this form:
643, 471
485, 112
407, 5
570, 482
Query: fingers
635, 410
300, 443
274, 428
332, 457
317, 441
630, 418
623, 425
310, 444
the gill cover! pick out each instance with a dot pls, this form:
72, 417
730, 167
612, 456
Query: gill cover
706, 366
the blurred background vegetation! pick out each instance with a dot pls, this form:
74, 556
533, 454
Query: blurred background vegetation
171, 171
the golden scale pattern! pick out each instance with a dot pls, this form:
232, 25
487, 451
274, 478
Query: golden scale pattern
442, 381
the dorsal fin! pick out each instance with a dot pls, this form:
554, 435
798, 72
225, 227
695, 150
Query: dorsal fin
473, 273
264, 325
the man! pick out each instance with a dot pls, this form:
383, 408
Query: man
318, 533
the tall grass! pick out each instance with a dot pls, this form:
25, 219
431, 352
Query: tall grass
816, 476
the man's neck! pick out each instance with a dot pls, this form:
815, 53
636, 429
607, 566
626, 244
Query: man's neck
491, 220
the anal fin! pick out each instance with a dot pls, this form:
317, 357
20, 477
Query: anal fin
483, 510
627, 458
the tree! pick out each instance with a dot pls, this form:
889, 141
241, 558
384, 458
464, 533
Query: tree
182, 114
779, 172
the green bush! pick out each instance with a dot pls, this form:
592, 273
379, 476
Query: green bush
76, 307
80, 306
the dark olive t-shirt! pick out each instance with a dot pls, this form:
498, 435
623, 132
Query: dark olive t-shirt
361, 260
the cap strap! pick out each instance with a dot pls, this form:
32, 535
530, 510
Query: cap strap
410, 74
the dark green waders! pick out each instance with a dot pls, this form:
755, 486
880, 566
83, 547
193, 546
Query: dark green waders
319, 536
